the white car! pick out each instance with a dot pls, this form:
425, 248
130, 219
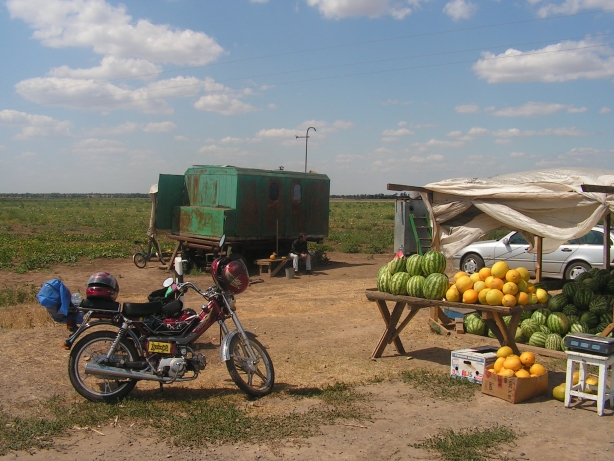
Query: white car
567, 262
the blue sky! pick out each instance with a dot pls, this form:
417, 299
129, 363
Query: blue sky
102, 96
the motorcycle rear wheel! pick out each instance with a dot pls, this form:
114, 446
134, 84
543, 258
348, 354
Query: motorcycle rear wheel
94, 348
255, 379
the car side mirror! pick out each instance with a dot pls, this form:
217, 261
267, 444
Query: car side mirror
506, 241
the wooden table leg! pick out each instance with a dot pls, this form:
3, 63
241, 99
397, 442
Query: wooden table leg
278, 268
391, 321
504, 334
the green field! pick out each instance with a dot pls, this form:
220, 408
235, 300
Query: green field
36, 233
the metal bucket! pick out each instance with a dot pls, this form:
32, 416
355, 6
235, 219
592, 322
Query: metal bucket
289, 272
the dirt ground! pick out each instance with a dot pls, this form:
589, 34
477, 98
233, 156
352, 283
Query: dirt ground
319, 329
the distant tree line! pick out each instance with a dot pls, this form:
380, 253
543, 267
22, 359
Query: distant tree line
372, 196
76, 196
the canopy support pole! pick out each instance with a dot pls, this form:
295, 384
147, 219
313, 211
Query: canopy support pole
538, 261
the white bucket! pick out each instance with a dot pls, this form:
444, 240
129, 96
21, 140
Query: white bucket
289, 272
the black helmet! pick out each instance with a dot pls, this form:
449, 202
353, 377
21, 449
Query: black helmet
102, 285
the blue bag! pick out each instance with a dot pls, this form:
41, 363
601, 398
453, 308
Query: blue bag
55, 297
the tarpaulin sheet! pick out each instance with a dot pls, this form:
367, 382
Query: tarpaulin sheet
546, 203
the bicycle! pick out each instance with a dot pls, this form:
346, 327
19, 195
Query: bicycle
141, 257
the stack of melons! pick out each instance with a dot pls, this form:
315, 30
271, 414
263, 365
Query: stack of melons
510, 365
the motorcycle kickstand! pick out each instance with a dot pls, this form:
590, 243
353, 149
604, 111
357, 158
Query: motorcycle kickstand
161, 387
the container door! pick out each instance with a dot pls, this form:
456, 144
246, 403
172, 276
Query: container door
171, 193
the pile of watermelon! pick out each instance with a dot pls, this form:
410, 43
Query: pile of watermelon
584, 306
419, 276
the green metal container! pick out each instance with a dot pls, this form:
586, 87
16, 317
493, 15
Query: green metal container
244, 203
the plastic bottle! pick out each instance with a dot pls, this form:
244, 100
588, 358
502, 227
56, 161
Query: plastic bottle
75, 299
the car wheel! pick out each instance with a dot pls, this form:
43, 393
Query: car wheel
576, 268
471, 263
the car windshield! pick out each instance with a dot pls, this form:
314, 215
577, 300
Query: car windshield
517, 239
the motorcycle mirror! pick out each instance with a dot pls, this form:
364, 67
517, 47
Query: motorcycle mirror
168, 282
222, 241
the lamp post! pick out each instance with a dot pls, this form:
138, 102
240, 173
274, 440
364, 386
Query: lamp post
306, 138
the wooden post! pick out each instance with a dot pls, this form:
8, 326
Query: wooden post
538, 261
606, 242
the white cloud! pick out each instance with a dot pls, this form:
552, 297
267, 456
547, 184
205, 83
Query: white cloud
322, 128
28, 155
2, 147
572, 7
258, 1
110, 67
399, 132
467, 109
338, 9
35, 126
455, 134
518, 155
605, 110
558, 132
231, 140
561, 62
477, 131
225, 104
437, 144
110, 31
105, 97
396, 102
460, 9
124, 128
159, 127
536, 109
428, 159
180, 138
94, 146
348, 158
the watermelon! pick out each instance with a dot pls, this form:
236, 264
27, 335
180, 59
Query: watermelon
413, 265
591, 319
526, 314
398, 283
602, 326
545, 329
538, 339
415, 286
558, 323
583, 276
576, 328
383, 281
606, 318
582, 298
435, 286
553, 342
529, 327
600, 305
609, 289
557, 303
520, 338
434, 262
570, 288
573, 319
570, 310
474, 325
600, 283
396, 265
540, 315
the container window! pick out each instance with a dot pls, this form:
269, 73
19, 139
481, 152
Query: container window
297, 193
274, 191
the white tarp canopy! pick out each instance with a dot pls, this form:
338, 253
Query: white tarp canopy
547, 203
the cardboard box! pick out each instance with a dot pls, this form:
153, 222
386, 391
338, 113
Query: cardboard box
472, 363
514, 390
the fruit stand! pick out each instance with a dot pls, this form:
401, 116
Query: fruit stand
492, 315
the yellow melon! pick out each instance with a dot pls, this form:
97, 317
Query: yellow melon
498, 364
559, 392
484, 273
470, 296
475, 277
499, 269
522, 373
542, 295
488, 281
575, 378
527, 358
464, 283
508, 300
522, 286
506, 372
522, 298
496, 284
532, 298
512, 363
494, 297
460, 274
453, 294
479, 285
513, 276
505, 351
537, 369
482, 296
524, 274
510, 288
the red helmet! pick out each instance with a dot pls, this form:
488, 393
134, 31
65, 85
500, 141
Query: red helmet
102, 285
230, 275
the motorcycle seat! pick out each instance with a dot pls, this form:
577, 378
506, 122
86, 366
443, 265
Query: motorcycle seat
141, 309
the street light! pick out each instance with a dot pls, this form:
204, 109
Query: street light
306, 138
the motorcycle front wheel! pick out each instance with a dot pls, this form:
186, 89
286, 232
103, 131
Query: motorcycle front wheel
254, 377
93, 348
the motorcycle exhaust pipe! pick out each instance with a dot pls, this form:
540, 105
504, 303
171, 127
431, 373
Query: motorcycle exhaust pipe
103, 370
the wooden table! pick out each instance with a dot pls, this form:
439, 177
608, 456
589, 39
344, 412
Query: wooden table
271, 263
492, 315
